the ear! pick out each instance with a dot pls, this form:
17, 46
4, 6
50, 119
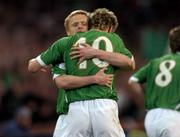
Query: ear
110, 29
68, 33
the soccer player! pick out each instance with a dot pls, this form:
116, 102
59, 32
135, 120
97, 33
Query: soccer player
93, 109
76, 21
162, 95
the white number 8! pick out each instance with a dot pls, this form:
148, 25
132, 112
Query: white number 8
164, 77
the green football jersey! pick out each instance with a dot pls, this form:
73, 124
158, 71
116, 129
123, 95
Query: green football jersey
60, 50
62, 103
162, 82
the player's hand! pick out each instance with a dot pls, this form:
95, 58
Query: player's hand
45, 69
101, 78
82, 52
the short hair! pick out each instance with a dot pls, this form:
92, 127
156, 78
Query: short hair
174, 39
83, 12
102, 18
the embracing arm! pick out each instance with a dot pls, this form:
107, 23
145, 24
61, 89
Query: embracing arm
116, 59
69, 81
34, 65
37, 64
53, 54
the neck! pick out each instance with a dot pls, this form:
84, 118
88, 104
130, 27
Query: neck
105, 30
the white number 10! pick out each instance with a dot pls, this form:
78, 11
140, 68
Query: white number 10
95, 44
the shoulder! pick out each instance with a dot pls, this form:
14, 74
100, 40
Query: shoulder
115, 35
159, 60
61, 39
162, 58
57, 42
117, 38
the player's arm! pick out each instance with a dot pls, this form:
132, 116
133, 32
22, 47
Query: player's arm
139, 78
52, 55
137, 92
115, 59
34, 65
136, 85
119, 60
64, 81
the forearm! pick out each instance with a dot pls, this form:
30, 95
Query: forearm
70, 82
116, 59
137, 92
135, 86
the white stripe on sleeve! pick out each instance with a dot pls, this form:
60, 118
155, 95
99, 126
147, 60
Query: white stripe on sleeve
133, 79
40, 61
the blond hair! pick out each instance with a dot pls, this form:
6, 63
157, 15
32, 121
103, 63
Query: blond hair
66, 22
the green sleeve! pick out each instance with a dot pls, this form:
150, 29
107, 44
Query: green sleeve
141, 74
55, 53
121, 47
59, 69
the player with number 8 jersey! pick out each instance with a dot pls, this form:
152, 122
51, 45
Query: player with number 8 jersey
60, 50
162, 95
161, 76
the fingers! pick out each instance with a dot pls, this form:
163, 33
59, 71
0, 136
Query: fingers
75, 54
80, 60
103, 69
108, 81
84, 44
109, 85
43, 70
110, 76
75, 48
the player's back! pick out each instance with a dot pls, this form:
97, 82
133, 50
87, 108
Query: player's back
99, 40
163, 82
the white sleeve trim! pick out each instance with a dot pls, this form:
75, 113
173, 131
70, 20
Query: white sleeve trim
133, 79
40, 61
55, 76
132, 58
62, 66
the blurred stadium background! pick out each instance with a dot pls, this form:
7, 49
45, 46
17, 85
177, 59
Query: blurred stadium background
28, 27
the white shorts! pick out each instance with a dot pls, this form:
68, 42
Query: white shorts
93, 118
162, 123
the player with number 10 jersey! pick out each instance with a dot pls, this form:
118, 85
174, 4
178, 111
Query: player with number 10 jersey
60, 50
161, 77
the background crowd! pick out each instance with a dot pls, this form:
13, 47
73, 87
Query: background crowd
29, 27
